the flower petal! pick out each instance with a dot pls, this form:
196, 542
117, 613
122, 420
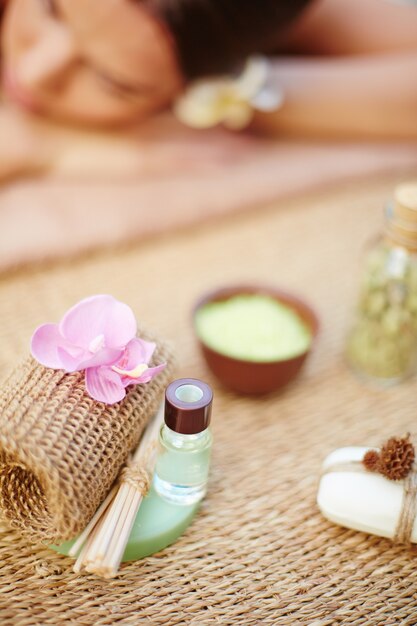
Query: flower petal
74, 360
138, 351
200, 106
146, 376
104, 385
106, 356
268, 99
252, 79
99, 315
135, 373
46, 340
237, 115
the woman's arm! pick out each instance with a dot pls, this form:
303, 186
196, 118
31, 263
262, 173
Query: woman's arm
25, 143
351, 96
356, 76
158, 147
346, 27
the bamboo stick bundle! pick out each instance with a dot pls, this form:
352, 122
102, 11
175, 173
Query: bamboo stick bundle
100, 547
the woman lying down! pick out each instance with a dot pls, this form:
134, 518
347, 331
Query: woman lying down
85, 81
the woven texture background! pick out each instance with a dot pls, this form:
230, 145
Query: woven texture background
60, 450
259, 552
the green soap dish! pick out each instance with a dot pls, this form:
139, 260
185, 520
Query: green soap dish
157, 525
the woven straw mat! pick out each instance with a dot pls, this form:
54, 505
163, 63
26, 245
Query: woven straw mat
259, 551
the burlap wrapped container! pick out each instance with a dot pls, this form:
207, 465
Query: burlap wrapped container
60, 450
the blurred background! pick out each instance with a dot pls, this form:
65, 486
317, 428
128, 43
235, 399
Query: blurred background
123, 118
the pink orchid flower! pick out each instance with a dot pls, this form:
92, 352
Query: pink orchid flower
97, 335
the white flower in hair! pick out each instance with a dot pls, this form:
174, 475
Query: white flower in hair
228, 100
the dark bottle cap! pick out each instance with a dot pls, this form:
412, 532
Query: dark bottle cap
188, 406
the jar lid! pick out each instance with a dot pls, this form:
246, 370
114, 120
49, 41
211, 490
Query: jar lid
401, 216
405, 197
188, 403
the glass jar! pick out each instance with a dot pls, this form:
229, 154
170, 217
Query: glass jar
185, 442
183, 465
382, 343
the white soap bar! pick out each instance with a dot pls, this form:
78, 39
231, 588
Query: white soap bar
363, 501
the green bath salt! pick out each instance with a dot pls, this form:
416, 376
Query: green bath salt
253, 328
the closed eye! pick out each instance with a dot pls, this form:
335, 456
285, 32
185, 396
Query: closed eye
129, 91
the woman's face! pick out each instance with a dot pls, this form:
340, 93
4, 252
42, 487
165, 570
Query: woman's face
95, 61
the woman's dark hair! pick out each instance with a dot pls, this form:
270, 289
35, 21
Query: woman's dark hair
216, 36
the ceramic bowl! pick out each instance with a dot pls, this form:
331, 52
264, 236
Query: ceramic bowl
254, 377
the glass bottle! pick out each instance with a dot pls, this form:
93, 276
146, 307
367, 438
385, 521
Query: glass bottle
185, 442
382, 343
